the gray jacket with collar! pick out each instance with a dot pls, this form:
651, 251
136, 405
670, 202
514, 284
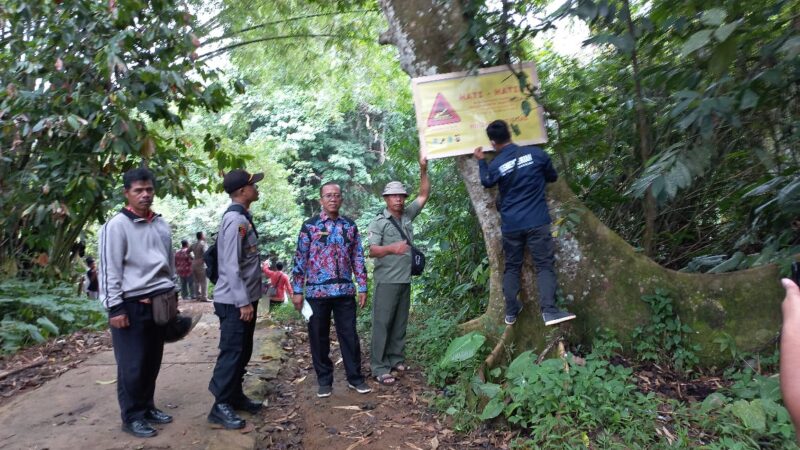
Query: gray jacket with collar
238, 261
136, 259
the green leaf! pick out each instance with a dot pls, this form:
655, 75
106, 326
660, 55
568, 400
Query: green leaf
526, 108
713, 401
493, 408
791, 47
749, 100
723, 32
728, 265
463, 348
724, 54
713, 16
73, 122
751, 413
47, 325
489, 390
696, 42
519, 367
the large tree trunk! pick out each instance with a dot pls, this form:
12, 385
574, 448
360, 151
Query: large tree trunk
601, 276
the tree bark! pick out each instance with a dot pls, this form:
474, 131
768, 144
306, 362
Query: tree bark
600, 275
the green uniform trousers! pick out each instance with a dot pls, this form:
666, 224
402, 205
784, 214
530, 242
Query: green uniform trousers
390, 305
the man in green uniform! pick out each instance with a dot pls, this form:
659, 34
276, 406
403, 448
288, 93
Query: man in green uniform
392, 253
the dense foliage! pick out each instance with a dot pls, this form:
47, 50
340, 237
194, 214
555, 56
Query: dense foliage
89, 90
34, 311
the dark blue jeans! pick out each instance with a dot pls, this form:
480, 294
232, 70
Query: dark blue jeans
540, 243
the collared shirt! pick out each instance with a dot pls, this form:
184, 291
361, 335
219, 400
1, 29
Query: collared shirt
329, 254
522, 196
393, 268
198, 249
238, 261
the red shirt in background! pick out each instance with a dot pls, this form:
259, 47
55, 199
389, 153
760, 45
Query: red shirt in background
183, 263
280, 280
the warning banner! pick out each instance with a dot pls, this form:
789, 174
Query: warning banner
454, 109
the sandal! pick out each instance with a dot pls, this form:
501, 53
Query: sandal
386, 379
400, 367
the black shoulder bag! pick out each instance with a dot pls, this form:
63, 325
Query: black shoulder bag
417, 257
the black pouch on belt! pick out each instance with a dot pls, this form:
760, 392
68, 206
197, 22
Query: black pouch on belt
165, 307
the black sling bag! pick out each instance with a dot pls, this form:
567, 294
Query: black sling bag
417, 257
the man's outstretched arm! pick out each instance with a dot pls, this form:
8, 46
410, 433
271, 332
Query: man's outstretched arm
424, 182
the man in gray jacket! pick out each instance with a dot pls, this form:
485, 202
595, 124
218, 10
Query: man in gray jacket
136, 269
236, 297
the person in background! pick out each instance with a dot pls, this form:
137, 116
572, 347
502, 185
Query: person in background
199, 281
279, 283
790, 351
183, 265
92, 285
329, 254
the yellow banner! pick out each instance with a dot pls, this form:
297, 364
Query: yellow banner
454, 109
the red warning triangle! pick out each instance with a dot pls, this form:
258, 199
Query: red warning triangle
442, 113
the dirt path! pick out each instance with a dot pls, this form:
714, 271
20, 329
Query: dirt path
78, 408
393, 417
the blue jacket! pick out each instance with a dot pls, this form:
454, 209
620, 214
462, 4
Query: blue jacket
523, 204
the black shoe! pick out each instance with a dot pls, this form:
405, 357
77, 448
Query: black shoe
247, 404
361, 388
155, 415
324, 391
139, 428
223, 414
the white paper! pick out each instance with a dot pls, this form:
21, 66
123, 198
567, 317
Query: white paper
307, 312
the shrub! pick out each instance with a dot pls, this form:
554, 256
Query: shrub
33, 311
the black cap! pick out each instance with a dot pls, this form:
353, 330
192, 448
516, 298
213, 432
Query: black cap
238, 178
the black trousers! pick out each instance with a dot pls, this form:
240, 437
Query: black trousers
319, 328
235, 350
138, 350
540, 243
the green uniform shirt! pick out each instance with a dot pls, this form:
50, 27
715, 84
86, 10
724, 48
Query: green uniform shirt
393, 268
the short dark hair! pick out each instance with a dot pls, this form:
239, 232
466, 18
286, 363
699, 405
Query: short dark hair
329, 183
184, 243
89, 260
279, 265
138, 174
199, 235
498, 132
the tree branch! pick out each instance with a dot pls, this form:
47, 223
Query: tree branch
230, 47
290, 19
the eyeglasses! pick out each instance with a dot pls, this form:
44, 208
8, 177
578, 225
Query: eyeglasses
331, 196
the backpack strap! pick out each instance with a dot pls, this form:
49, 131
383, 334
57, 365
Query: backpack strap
400, 229
240, 209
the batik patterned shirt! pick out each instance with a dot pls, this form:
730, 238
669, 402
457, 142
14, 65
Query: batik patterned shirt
329, 253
